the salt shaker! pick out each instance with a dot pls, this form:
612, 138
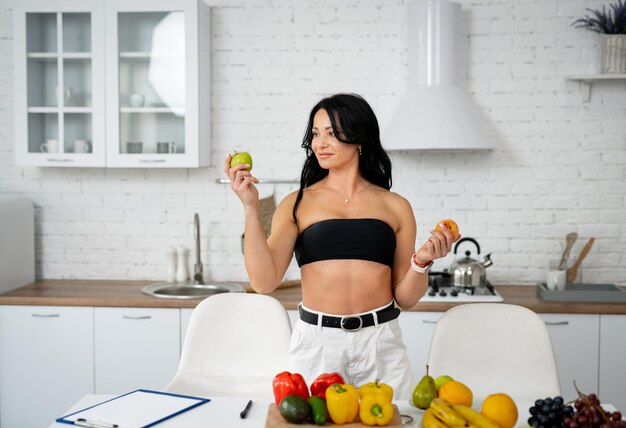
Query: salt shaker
182, 270
171, 264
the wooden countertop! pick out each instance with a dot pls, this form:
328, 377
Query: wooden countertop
59, 292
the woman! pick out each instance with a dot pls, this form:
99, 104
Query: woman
354, 241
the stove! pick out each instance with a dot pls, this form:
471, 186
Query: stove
440, 290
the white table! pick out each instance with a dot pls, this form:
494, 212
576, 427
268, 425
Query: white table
226, 412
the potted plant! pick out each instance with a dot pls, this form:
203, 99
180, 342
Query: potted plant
611, 24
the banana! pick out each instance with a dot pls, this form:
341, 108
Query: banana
430, 421
444, 412
474, 417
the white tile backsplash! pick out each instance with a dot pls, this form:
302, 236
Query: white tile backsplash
559, 166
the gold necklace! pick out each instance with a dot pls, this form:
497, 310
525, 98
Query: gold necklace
346, 199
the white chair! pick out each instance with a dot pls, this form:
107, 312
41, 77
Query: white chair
235, 344
495, 347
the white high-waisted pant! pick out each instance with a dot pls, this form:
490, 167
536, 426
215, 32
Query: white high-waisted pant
362, 356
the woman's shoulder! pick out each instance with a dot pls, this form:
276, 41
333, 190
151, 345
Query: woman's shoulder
288, 201
393, 199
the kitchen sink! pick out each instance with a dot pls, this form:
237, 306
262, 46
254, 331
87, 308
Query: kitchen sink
168, 290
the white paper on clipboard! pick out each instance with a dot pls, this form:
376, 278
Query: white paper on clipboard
137, 409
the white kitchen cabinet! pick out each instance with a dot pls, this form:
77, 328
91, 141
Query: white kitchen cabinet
135, 348
158, 72
153, 58
575, 340
46, 362
59, 83
417, 332
612, 387
293, 316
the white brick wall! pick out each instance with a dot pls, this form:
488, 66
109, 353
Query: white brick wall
559, 166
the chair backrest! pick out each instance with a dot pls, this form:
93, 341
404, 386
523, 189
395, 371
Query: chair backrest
495, 347
235, 344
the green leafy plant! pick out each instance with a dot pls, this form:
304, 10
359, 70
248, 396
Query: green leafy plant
611, 21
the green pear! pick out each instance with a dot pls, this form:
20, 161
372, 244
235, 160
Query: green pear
440, 380
425, 391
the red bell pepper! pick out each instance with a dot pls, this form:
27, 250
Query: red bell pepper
323, 381
286, 383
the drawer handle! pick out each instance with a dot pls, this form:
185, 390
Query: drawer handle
557, 322
140, 317
46, 315
152, 160
429, 322
60, 160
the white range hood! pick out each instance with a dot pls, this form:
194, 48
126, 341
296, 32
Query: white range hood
435, 113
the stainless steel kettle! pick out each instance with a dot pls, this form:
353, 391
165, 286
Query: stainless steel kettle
469, 272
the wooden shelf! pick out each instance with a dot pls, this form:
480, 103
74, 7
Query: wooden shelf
585, 81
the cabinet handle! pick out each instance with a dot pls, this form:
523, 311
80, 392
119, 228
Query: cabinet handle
557, 322
152, 160
45, 315
60, 160
429, 322
140, 317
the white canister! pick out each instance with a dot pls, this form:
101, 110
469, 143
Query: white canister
182, 270
171, 264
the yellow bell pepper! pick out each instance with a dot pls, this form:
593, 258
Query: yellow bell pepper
342, 401
375, 409
376, 387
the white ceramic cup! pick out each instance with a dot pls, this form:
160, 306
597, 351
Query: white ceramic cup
50, 146
136, 100
81, 146
556, 278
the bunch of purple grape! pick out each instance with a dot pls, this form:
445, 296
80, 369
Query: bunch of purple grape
550, 413
590, 414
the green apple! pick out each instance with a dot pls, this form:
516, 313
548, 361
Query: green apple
440, 380
241, 157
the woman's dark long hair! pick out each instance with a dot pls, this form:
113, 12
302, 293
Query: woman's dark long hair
353, 122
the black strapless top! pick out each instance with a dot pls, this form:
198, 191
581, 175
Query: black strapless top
347, 238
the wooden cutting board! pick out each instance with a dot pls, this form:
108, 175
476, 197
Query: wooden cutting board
275, 420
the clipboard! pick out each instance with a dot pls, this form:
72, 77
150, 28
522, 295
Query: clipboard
141, 408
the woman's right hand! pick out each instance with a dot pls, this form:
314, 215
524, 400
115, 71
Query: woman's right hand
241, 182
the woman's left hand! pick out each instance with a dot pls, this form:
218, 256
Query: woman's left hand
438, 246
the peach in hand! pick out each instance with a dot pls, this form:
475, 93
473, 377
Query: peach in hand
450, 225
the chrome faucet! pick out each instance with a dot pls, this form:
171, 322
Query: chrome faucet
197, 276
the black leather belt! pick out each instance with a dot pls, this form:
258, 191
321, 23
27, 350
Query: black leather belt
351, 322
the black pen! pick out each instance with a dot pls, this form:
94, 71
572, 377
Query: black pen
244, 412
93, 424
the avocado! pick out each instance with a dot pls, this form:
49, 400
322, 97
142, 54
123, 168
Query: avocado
294, 409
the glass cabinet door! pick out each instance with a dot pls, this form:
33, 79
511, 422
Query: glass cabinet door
59, 89
147, 54
151, 84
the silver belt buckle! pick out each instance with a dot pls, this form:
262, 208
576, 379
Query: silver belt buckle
343, 319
